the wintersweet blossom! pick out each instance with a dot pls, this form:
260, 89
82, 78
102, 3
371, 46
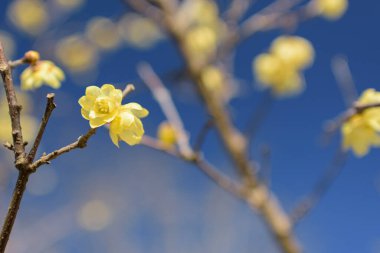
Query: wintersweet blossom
293, 50
331, 9
127, 125
100, 105
274, 73
42, 72
167, 134
362, 130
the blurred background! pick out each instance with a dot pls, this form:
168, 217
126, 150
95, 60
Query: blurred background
134, 199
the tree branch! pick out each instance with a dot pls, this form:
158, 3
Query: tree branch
14, 110
50, 106
80, 143
18, 193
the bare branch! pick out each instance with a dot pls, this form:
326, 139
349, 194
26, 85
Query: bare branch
164, 99
343, 76
14, 206
128, 89
202, 135
209, 170
50, 106
320, 189
80, 143
14, 110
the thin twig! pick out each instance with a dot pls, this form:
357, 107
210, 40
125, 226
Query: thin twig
209, 170
343, 76
199, 140
80, 143
14, 206
128, 89
320, 189
50, 106
164, 99
14, 110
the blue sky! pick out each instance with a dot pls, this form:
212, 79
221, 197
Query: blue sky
159, 204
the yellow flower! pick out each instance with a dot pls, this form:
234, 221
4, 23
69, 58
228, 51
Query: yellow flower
359, 135
363, 129
30, 16
272, 72
331, 9
293, 50
127, 125
138, 31
103, 33
42, 72
201, 40
100, 105
76, 53
166, 134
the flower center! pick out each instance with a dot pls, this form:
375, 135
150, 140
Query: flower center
102, 105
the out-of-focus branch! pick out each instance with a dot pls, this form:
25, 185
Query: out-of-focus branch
163, 97
50, 106
330, 175
199, 140
277, 15
256, 194
343, 76
209, 170
236, 10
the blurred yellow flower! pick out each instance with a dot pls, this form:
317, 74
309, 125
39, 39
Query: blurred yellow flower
8, 44
42, 72
127, 125
331, 9
30, 16
69, 5
201, 40
103, 33
293, 50
167, 134
100, 105
197, 12
28, 122
362, 130
138, 31
76, 53
272, 72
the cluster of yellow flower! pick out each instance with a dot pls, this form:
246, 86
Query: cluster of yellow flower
40, 72
202, 25
28, 122
280, 69
103, 105
362, 130
331, 9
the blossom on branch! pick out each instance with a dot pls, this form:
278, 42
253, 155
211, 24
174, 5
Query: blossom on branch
331, 9
362, 130
100, 105
127, 125
281, 68
41, 72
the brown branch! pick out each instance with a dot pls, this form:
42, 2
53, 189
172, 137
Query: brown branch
14, 206
50, 106
199, 140
204, 166
80, 143
256, 194
14, 110
343, 76
164, 99
320, 189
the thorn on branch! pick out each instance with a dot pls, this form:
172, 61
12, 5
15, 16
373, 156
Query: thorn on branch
8, 146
